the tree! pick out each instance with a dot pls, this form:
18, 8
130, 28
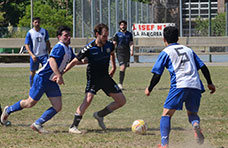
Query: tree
217, 26
12, 10
51, 18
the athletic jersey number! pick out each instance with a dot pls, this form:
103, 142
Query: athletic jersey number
183, 55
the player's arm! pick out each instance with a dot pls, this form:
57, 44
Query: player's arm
74, 62
114, 40
30, 52
113, 63
131, 44
54, 67
207, 76
48, 45
154, 81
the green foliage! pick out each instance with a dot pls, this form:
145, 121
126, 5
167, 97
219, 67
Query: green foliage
50, 18
217, 26
1, 17
13, 10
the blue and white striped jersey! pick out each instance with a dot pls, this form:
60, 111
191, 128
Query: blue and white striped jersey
62, 54
37, 41
183, 65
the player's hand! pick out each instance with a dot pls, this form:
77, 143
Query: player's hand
34, 58
84, 61
112, 71
54, 78
212, 88
147, 92
58, 79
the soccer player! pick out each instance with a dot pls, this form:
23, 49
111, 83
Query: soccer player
38, 46
98, 53
183, 65
46, 81
123, 40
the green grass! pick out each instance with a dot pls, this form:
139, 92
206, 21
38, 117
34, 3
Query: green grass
15, 86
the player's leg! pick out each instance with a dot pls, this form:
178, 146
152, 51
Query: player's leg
48, 114
119, 101
192, 105
35, 94
111, 89
21, 104
79, 113
33, 67
165, 125
122, 75
174, 101
122, 65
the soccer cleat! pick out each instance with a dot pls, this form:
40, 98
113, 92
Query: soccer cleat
198, 134
120, 86
100, 120
4, 116
74, 130
160, 146
38, 128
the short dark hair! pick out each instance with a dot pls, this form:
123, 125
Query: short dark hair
98, 29
123, 21
171, 34
35, 18
61, 29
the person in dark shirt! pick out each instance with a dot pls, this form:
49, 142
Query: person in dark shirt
123, 41
98, 54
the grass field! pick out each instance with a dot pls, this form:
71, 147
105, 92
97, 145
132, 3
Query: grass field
15, 86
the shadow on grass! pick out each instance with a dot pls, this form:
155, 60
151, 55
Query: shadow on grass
142, 89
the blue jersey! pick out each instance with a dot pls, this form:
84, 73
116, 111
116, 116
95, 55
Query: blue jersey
183, 65
37, 41
62, 54
123, 40
98, 58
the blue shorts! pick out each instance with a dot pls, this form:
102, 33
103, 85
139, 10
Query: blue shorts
35, 65
177, 96
43, 85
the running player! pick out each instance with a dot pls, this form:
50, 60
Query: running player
123, 40
46, 81
38, 46
186, 86
98, 52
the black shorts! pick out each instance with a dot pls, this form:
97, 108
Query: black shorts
106, 83
123, 59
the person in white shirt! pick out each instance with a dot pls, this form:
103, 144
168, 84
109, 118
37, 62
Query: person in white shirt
183, 65
38, 46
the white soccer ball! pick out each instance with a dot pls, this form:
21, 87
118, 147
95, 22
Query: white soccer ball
139, 127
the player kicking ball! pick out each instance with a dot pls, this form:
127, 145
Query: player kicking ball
46, 81
98, 52
183, 65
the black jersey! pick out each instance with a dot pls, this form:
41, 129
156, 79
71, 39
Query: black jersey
98, 58
123, 40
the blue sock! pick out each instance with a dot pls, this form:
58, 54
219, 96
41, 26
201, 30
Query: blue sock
165, 125
47, 115
31, 80
193, 118
13, 108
